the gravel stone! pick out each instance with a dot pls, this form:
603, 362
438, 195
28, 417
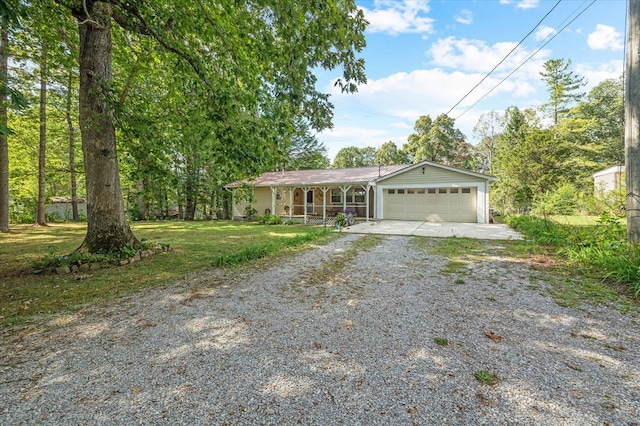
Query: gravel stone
299, 341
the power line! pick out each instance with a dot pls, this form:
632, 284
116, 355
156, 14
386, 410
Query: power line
546, 41
505, 58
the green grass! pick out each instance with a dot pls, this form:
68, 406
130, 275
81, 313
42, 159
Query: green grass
441, 341
25, 297
486, 378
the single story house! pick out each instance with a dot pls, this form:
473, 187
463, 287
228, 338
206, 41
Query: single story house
424, 191
611, 179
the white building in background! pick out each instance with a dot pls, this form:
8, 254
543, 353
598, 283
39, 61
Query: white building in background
611, 179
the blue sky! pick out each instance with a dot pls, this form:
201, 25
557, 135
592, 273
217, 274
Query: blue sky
422, 57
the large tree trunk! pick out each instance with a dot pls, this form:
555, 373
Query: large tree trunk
72, 153
42, 156
107, 226
4, 146
632, 123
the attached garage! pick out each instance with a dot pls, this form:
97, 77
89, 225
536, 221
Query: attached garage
435, 193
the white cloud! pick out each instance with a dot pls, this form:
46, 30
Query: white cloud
395, 17
595, 74
464, 17
605, 38
387, 108
544, 32
528, 4
477, 56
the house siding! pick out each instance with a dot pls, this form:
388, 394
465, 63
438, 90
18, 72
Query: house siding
431, 175
262, 201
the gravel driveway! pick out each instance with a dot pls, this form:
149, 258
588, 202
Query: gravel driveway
378, 336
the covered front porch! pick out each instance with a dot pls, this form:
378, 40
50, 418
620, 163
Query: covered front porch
313, 204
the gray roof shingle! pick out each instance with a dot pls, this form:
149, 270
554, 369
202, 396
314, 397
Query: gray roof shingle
320, 177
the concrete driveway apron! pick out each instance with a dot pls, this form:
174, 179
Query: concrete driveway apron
483, 231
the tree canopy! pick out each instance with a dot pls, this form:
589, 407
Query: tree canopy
196, 94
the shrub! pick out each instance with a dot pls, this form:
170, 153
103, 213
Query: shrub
250, 212
564, 200
269, 219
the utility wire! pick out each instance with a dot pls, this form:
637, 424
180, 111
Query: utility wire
547, 41
505, 58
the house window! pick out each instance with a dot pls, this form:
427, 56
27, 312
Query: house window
336, 196
466, 190
431, 190
359, 195
420, 191
279, 194
453, 191
410, 191
391, 191
400, 191
442, 190
349, 197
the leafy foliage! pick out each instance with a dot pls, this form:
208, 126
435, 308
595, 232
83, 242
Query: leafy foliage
389, 154
603, 249
564, 200
439, 141
352, 156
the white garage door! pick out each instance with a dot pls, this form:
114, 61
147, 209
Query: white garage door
431, 204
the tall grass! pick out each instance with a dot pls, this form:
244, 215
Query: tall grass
602, 248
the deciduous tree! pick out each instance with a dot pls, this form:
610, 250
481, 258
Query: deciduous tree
254, 58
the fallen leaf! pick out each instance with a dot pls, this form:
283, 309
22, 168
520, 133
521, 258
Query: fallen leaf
493, 336
136, 390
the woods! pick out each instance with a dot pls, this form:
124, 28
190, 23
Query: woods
174, 99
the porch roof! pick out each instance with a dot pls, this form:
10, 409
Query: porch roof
326, 177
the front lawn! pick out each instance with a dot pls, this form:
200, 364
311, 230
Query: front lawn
24, 297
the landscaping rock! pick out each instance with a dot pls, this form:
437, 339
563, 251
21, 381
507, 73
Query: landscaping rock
84, 267
62, 270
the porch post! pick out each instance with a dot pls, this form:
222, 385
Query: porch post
290, 203
305, 190
366, 198
273, 199
324, 190
344, 189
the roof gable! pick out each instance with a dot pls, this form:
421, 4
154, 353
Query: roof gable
440, 166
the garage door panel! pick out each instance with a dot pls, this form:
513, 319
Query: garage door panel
439, 205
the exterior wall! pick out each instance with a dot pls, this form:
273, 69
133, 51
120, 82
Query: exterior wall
432, 176
262, 201
608, 182
63, 210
